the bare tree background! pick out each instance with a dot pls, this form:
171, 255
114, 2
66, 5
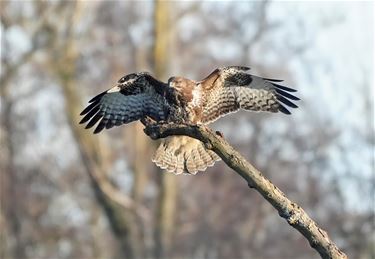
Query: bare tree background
68, 194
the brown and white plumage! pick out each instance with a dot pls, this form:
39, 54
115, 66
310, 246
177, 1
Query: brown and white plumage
182, 100
232, 88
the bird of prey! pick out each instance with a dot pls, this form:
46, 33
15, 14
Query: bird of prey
181, 100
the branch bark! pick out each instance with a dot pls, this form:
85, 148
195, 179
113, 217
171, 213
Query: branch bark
290, 211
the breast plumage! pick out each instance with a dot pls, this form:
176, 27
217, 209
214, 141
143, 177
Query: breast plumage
188, 95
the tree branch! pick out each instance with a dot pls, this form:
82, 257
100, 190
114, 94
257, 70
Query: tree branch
294, 214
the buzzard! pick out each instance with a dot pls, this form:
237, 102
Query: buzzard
182, 100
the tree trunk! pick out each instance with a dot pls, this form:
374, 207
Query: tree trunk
121, 220
9, 217
167, 198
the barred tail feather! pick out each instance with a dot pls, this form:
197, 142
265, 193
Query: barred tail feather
181, 154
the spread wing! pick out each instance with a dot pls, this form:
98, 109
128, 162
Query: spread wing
134, 97
229, 89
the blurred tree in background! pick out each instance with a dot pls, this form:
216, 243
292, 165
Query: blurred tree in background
66, 193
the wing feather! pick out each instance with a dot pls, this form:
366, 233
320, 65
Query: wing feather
90, 114
89, 108
287, 95
284, 87
135, 96
229, 89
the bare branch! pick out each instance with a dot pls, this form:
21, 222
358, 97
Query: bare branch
292, 212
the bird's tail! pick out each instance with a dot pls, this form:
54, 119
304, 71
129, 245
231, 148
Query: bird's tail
181, 154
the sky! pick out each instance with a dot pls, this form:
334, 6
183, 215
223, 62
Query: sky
338, 70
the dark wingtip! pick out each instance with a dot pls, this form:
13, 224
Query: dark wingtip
94, 120
99, 128
98, 97
284, 110
89, 115
284, 88
284, 98
287, 95
88, 108
272, 79
286, 101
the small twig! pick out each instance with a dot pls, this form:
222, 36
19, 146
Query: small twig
294, 214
